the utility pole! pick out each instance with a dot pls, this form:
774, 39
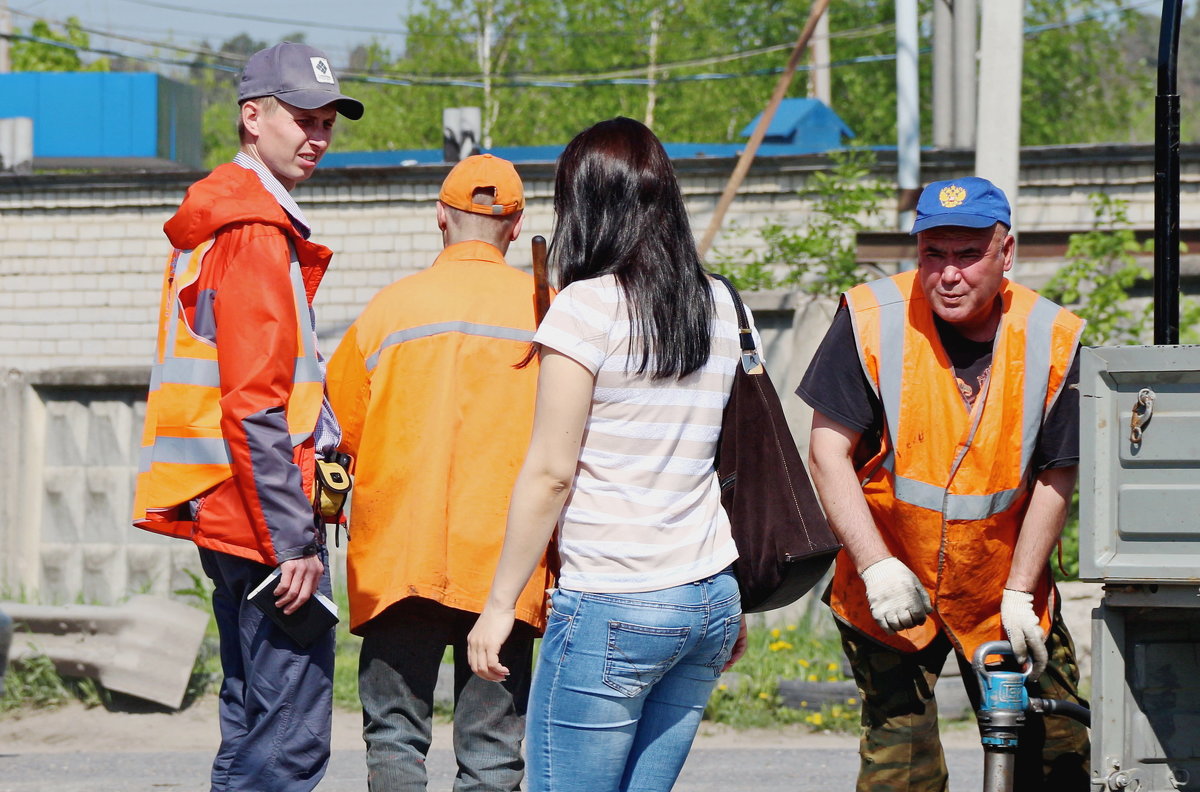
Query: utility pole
652, 67
5, 32
943, 73
966, 37
998, 149
819, 83
908, 113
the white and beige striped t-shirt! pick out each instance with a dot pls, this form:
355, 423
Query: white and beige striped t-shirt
645, 510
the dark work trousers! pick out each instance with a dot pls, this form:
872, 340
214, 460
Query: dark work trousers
276, 703
397, 672
900, 747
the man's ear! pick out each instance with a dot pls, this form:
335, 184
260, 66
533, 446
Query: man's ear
1007, 249
251, 113
516, 229
441, 216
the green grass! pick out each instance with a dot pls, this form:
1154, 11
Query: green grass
792, 651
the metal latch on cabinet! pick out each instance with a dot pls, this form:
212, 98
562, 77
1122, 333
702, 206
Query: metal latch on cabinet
1119, 780
1142, 412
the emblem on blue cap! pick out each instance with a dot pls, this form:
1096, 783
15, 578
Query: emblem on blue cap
952, 196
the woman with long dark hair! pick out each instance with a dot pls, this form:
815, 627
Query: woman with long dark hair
638, 353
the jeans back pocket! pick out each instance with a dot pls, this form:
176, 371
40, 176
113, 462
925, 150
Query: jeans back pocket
638, 656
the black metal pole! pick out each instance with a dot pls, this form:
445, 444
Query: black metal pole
1166, 180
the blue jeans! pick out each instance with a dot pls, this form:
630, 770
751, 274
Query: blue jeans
621, 683
276, 703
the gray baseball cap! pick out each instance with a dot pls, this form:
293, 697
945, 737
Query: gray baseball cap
297, 74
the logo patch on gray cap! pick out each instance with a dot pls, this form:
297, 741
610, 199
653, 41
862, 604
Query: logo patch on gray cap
321, 71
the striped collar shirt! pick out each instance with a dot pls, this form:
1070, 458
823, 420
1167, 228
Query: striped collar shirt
272, 185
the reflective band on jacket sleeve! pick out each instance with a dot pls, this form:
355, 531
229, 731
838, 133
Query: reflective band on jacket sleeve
466, 328
185, 451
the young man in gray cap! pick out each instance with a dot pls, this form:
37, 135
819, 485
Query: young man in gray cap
944, 447
237, 416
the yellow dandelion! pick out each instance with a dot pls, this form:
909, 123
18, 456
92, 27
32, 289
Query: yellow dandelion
812, 677
779, 646
791, 628
816, 719
722, 687
803, 704
775, 633
836, 711
831, 667
831, 679
764, 696
802, 663
852, 702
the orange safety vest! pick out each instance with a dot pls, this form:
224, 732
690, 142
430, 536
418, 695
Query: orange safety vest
948, 488
183, 451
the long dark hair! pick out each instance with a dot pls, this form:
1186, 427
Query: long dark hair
619, 211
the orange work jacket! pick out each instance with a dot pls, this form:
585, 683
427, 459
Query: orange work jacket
214, 437
948, 488
438, 421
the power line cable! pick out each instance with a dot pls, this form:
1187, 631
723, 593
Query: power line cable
623, 77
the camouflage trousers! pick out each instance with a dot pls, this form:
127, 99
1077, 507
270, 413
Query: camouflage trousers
900, 747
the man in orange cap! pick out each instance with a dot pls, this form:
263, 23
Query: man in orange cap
437, 416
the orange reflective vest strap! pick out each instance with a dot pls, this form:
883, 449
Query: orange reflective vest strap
184, 453
949, 486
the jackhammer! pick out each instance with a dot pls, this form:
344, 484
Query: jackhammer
1003, 705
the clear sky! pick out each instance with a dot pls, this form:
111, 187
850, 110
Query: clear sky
190, 23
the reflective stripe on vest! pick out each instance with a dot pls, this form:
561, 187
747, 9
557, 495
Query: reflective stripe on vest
438, 328
187, 363
1039, 326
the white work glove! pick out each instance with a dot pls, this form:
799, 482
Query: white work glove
898, 600
1024, 629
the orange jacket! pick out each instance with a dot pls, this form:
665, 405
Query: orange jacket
438, 422
236, 386
949, 489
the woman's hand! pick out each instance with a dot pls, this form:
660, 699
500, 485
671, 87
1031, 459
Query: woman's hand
491, 630
739, 646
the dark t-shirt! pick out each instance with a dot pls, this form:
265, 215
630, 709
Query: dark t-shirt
836, 386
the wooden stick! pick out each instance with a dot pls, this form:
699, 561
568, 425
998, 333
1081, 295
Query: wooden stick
760, 131
541, 282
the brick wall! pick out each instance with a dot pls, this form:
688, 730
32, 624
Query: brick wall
81, 261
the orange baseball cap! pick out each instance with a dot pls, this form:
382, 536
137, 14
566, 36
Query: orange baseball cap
484, 172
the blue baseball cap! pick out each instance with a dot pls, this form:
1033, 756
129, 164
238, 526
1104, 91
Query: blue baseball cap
970, 202
297, 74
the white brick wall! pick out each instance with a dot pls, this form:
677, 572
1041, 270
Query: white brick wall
81, 260
81, 256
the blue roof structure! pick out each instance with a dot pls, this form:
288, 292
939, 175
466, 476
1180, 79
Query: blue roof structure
800, 126
808, 124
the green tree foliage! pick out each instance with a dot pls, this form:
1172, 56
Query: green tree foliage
1077, 85
1101, 269
819, 253
541, 70
596, 47
48, 56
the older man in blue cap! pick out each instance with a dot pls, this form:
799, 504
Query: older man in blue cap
944, 448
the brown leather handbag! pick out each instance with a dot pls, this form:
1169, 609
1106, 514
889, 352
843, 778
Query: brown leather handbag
784, 543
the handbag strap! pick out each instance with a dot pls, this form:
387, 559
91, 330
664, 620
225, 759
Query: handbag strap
751, 361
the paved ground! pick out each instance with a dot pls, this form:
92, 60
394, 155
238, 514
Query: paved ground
708, 770
81, 750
